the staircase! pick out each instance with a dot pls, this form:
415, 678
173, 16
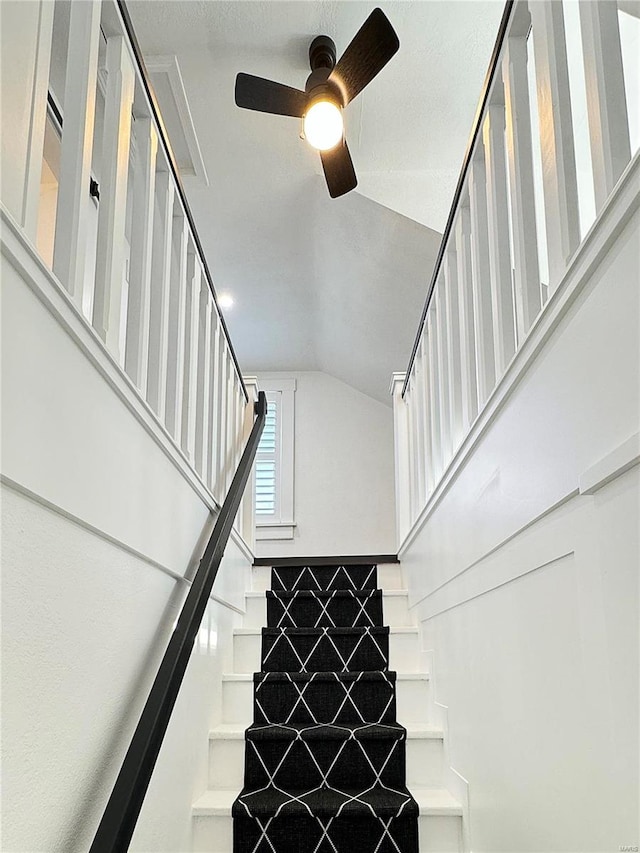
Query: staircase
325, 649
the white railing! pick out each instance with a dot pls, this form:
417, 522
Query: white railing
551, 138
131, 261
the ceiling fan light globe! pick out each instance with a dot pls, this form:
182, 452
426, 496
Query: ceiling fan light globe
323, 125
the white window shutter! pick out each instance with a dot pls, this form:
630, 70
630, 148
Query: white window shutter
268, 461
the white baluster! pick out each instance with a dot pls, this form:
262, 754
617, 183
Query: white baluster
240, 403
556, 136
409, 399
69, 255
606, 102
190, 382
228, 462
110, 250
425, 403
528, 293
160, 281
219, 480
401, 456
177, 301
38, 120
468, 375
453, 343
444, 379
421, 433
434, 395
504, 343
216, 404
144, 183
247, 528
204, 405
482, 310
239, 444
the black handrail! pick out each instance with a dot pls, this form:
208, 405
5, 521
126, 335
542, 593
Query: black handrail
168, 151
121, 813
475, 131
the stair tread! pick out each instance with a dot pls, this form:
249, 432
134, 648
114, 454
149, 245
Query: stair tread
236, 731
386, 593
400, 676
408, 629
326, 801
325, 731
431, 801
330, 676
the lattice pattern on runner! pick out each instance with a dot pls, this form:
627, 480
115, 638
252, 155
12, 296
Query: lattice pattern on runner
318, 578
325, 697
327, 609
337, 756
306, 831
324, 649
325, 758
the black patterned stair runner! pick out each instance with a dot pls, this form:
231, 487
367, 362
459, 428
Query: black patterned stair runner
325, 759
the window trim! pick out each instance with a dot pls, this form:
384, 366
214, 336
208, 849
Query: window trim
282, 526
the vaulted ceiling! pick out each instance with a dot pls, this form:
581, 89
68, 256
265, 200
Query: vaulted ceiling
322, 284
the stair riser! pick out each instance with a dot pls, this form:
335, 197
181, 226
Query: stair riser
394, 608
403, 653
437, 834
424, 758
440, 834
389, 577
341, 765
237, 701
370, 700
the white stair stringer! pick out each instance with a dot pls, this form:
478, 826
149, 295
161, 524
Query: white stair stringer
452, 779
441, 814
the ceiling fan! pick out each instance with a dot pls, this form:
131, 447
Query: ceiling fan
328, 90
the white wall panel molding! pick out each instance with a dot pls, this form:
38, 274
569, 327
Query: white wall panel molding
488, 587
616, 214
25, 259
611, 466
512, 651
496, 548
111, 615
22, 490
274, 530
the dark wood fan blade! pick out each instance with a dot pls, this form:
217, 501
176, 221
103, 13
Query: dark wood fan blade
266, 96
371, 48
338, 170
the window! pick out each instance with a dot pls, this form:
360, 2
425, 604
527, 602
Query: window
267, 459
274, 462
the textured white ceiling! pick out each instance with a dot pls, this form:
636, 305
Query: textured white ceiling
321, 284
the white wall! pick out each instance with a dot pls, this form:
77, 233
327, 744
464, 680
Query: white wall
343, 490
526, 587
102, 519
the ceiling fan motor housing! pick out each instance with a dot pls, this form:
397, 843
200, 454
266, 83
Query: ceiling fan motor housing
322, 53
322, 58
